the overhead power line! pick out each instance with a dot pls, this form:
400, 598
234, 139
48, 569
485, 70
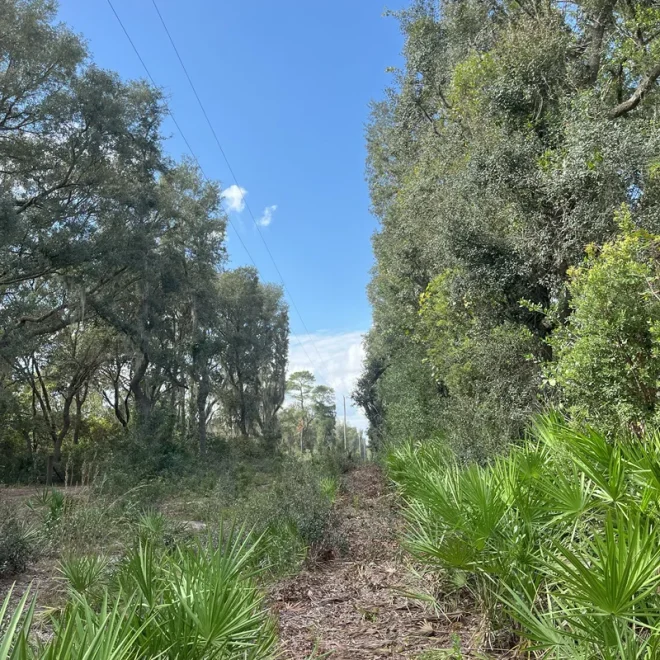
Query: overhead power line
234, 177
240, 190
201, 169
175, 122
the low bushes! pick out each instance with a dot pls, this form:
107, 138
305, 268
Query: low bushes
294, 513
141, 583
18, 542
287, 500
189, 602
559, 540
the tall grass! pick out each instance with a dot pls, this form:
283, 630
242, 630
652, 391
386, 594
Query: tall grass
559, 540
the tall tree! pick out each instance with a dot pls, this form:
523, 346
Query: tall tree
324, 410
113, 297
253, 326
274, 339
510, 137
78, 153
300, 386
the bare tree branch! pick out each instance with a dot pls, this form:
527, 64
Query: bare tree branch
635, 99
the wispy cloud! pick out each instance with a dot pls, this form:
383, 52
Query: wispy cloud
338, 364
234, 198
267, 216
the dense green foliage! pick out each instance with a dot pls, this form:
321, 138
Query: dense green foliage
607, 355
118, 324
514, 170
559, 540
511, 138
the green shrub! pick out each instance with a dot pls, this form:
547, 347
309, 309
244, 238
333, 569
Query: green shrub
52, 504
86, 574
193, 602
558, 540
200, 601
329, 487
282, 550
485, 366
18, 542
607, 354
294, 512
14, 627
81, 523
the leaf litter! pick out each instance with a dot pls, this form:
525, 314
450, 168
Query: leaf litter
355, 605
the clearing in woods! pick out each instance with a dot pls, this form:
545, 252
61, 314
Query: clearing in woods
343, 607
354, 606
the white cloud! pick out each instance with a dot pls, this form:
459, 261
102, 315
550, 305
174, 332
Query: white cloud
338, 364
234, 197
267, 216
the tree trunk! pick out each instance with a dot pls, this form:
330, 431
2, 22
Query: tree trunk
49, 471
80, 402
599, 22
182, 410
242, 413
202, 396
66, 424
122, 417
143, 403
32, 448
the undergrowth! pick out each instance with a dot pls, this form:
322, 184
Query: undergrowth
558, 541
196, 600
158, 569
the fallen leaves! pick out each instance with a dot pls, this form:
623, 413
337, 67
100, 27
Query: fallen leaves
356, 607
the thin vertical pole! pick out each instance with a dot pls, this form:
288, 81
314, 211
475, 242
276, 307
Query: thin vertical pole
345, 443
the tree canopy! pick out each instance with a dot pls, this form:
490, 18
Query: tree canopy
509, 140
116, 306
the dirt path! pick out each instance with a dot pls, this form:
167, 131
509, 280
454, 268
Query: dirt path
353, 607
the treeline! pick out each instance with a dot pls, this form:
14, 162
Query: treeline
309, 421
517, 137
118, 318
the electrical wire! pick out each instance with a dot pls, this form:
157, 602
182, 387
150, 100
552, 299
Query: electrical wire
192, 153
234, 177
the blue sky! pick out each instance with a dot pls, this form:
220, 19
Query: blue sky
287, 85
